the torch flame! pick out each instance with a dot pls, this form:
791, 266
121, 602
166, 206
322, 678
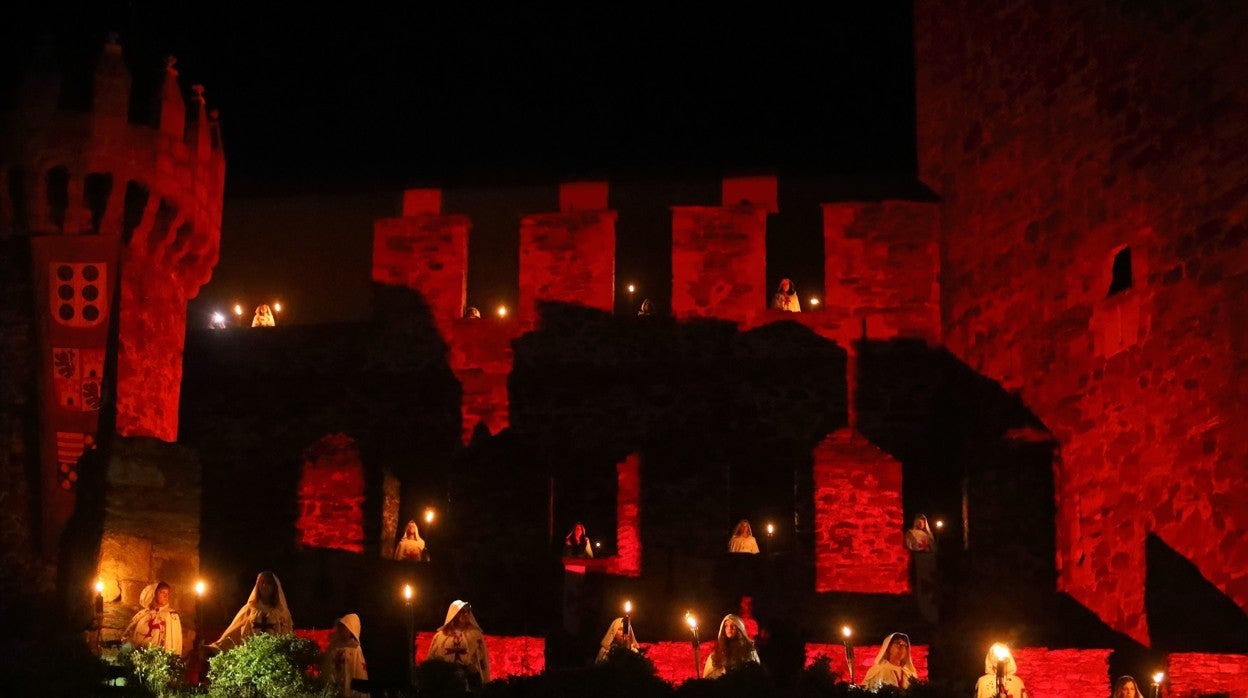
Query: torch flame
845, 631
238, 309
1158, 678
99, 586
502, 311
429, 515
940, 523
693, 622
631, 288
814, 301
770, 529
277, 307
628, 607
407, 592
199, 588
1001, 652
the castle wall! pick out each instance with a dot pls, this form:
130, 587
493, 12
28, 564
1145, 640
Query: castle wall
719, 262
1056, 135
569, 256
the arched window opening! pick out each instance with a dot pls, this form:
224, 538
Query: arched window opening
1121, 272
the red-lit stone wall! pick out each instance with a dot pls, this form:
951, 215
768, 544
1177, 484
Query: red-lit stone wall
567, 257
509, 656
1065, 673
1055, 134
481, 357
627, 559
673, 661
426, 252
864, 657
331, 495
1193, 674
858, 518
172, 253
719, 262
881, 264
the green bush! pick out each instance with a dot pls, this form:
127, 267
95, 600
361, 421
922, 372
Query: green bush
158, 670
267, 666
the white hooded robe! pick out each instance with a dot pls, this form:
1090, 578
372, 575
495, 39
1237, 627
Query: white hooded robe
885, 673
152, 626
257, 617
464, 647
986, 687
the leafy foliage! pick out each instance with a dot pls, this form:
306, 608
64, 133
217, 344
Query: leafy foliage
267, 666
158, 670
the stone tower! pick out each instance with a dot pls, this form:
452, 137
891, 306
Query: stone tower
118, 225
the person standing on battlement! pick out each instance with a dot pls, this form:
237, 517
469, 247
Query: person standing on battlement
786, 297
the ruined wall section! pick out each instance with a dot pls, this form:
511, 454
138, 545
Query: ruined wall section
1058, 136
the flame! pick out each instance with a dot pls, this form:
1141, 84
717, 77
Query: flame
628, 607
407, 592
631, 288
846, 632
1000, 651
199, 588
277, 307
502, 311
1159, 677
99, 586
940, 523
429, 514
693, 622
238, 309
814, 301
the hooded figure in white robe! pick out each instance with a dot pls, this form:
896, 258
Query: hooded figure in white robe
411, 545
1000, 679
742, 540
893, 665
919, 539
343, 659
922, 546
786, 297
617, 637
265, 612
263, 317
733, 648
1126, 687
156, 624
460, 641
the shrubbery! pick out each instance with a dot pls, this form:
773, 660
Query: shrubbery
267, 666
159, 671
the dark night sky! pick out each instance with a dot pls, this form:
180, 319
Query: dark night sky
327, 116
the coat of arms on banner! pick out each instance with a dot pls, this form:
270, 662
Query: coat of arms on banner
76, 293
76, 376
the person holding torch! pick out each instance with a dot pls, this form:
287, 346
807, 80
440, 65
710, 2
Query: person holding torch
1000, 678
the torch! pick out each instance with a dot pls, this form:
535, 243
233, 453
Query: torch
628, 617
846, 633
200, 587
1002, 653
693, 628
97, 621
1157, 679
411, 632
